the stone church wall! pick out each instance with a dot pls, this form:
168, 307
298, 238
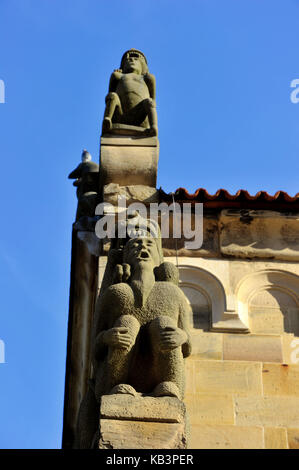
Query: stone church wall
242, 389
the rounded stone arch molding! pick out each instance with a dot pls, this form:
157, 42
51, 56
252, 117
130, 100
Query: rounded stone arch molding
211, 288
265, 280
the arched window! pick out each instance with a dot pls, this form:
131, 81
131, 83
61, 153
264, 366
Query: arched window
208, 300
268, 302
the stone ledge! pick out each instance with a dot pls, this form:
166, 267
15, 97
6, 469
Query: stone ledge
120, 434
142, 422
229, 323
259, 234
126, 140
139, 408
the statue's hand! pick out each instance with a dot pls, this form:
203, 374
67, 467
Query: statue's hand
172, 338
118, 71
122, 273
119, 337
126, 272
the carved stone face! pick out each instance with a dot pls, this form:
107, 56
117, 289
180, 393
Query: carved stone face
142, 250
132, 63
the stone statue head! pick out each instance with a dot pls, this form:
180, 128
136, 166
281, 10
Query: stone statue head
142, 242
143, 250
145, 245
134, 61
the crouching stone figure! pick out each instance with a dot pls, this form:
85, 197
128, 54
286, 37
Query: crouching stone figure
141, 328
132, 95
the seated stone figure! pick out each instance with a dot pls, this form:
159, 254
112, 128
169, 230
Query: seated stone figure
141, 331
132, 94
141, 334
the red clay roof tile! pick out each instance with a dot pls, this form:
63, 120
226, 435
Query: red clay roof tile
242, 199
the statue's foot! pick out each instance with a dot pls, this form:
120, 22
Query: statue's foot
123, 389
107, 125
151, 131
167, 389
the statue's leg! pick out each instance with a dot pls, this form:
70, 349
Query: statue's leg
152, 116
142, 114
112, 103
119, 358
169, 365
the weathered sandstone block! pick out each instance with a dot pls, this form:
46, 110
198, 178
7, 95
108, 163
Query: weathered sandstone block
276, 438
139, 408
281, 379
252, 348
226, 437
293, 438
142, 422
209, 409
259, 234
225, 377
120, 434
267, 411
137, 193
290, 345
206, 345
129, 160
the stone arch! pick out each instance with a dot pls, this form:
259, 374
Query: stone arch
200, 305
268, 302
208, 299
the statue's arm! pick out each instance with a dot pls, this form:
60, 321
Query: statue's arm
105, 334
114, 79
183, 323
151, 84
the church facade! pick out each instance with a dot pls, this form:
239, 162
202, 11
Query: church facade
240, 352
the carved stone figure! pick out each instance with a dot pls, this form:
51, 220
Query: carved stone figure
141, 330
86, 177
131, 97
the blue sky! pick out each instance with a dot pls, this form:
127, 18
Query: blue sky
223, 71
